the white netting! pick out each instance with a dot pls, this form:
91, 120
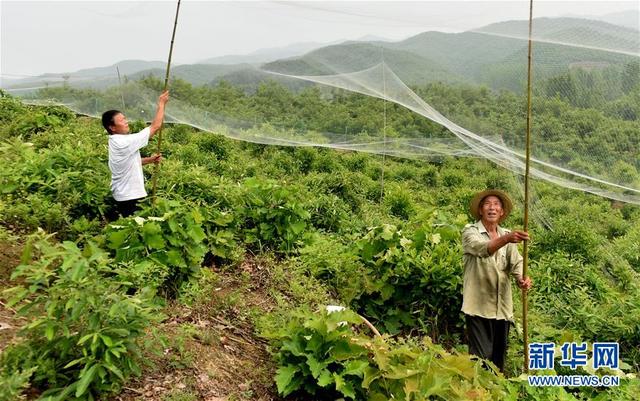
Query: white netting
586, 86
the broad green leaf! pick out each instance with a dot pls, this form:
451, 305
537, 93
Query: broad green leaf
344, 350
298, 227
106, 340
284, 379
74, 362
173, 225
294, 346
314, 343
315, 366
49, 332
197, 233
174, 258
388, 231
85, 380
317, 324
370, 374
117, 238
411, 386
154, 241
115, 370
355, 368
325, 378
344, 386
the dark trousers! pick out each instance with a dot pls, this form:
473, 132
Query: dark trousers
128, 207
488, 339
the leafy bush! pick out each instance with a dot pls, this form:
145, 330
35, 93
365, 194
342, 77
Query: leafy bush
330, 213
323, 355
30, 124
81, 336
349, 187
411, 280
273, 216
49, 188
332, 261
318, 356
575, 238
12, 384
221, 229
168, 235
399, 202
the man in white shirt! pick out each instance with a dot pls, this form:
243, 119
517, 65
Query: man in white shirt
125, 163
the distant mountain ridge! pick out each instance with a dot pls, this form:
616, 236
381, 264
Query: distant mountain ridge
265, 55
628, 18
494, 55
276, 53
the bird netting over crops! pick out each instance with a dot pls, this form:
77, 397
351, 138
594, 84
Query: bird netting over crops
433, 94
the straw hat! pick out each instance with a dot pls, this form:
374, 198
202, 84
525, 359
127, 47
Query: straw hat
507, 205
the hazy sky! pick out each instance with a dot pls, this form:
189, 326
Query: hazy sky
53, 36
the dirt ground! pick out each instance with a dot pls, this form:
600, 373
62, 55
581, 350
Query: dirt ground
10, 252
208, 351
214, 354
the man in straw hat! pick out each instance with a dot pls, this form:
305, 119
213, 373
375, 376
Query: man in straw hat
490, 259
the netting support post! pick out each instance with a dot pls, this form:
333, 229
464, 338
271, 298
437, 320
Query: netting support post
384, 125
166, 86
525, 261
120, 84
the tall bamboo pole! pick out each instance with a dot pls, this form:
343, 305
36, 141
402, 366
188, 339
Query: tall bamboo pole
121, 93
384, 122
166, 85
525, 262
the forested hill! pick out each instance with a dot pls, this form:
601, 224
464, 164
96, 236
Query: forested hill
219, 290
494, 55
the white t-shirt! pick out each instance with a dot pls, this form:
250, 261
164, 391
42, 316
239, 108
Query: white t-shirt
125, 163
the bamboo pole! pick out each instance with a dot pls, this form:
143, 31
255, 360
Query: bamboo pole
384, 122
166, 86
121, 93
525, 262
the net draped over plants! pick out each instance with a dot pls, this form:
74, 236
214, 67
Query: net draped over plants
585, 83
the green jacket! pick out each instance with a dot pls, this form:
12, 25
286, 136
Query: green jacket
487, 278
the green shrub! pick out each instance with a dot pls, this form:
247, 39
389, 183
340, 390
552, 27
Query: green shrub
274, 217
429, 175
167, 234
574, 237
411, 280
82, 327
324, 356
330, 213
399, 202
331, 260
213, 145
221, 229
13, 384
316, 355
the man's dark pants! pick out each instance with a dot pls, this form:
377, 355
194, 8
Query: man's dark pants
488, 338
128, 207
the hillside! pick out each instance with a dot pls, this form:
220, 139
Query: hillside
265, 55
356, 56
196, 74
494, 55
220, 285
581, 32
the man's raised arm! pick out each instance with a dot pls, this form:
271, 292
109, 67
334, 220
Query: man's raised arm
156, 124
